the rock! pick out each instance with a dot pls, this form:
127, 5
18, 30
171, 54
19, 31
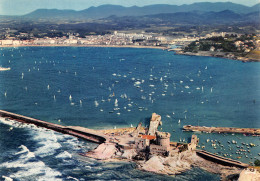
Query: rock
249, 174
155, 164
129, 154
169, 165
103, 151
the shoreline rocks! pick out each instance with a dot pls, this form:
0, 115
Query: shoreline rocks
227, 55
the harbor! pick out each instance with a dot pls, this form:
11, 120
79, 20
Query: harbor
251, 131
133, 143
46, 88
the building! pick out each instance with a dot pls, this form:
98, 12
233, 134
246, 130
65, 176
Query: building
162, 146
194, 141
154, 123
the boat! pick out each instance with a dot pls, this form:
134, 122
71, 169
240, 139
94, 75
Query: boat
4, 69
96, 103
116, 103
179, 121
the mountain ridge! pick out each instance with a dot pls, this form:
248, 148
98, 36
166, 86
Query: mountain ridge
107, 10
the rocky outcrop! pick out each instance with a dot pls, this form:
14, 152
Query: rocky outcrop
129, 154
183, 161
249, 174
104, 151
168, 165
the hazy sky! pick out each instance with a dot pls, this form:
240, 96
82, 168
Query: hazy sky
20, 7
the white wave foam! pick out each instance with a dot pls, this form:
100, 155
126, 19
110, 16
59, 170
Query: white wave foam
64, 154
30, 164
9, 122
7, 178
29, 154
72, 178
30, 168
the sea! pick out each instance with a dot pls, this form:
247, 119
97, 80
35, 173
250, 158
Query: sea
106, 88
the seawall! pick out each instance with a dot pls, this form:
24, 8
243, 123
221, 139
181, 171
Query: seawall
252, 131
83, 133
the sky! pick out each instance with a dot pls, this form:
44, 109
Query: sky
21, 7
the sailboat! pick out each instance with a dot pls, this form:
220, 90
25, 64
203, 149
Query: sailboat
96, 103
116, 102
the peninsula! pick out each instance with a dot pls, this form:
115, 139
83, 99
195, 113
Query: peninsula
149, 148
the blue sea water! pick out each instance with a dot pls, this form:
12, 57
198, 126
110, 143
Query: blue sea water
80, 86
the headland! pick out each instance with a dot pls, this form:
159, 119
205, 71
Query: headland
149, 148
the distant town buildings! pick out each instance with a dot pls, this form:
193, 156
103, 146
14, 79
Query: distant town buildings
107, 39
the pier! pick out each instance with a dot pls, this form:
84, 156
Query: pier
220, 160
77, 131
251, 131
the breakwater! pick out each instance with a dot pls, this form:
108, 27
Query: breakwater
252, 131
83, 133
220, 160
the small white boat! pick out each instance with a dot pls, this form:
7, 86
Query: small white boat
116, 103
96, 103
4, 69
179, 121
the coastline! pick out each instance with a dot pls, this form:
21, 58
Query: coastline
226, 55
76, 45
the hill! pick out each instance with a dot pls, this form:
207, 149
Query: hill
120, 11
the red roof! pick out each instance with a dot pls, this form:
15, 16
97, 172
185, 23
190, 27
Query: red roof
149, 137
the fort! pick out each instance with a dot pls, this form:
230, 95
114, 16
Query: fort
142, 145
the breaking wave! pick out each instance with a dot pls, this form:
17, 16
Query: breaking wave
31, 161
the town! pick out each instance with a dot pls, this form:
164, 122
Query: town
228, 45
